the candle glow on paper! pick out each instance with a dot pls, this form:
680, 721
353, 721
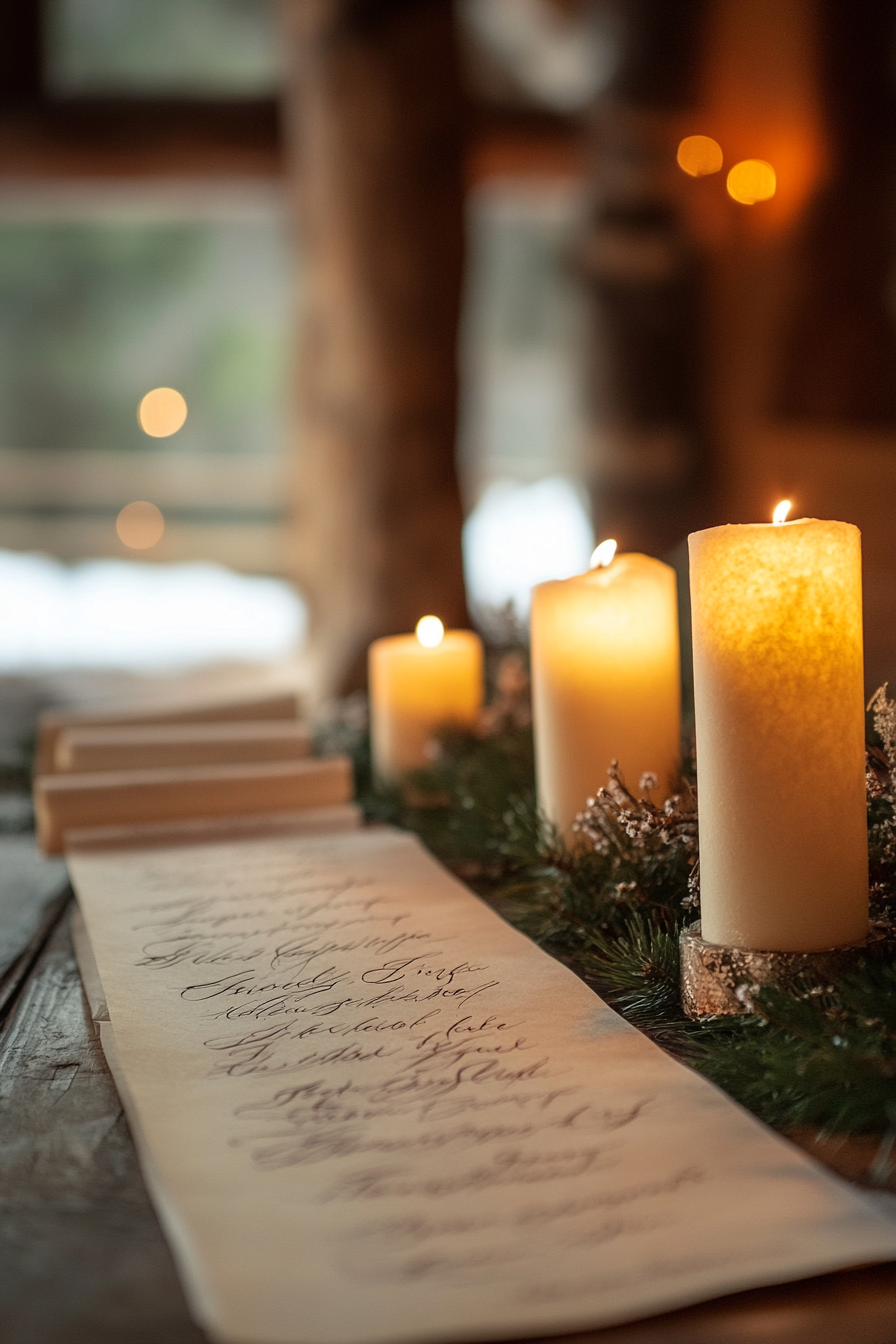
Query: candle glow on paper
778, 678
418, 684
605, 679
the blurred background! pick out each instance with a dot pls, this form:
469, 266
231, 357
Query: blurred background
446, 292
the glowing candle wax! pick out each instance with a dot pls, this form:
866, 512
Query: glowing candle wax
419, 684
605, 679
777, 627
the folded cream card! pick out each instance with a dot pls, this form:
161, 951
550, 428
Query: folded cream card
369, 1110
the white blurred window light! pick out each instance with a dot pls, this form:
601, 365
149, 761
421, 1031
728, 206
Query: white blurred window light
140, 617
519, 535
524, 380
557, 55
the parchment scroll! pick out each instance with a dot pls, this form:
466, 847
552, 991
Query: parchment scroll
370, 1111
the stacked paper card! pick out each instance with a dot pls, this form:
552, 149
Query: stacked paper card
217, 767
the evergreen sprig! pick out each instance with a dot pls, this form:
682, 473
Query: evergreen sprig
612, 908
822, 1056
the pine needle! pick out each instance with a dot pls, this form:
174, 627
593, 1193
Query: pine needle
612, 908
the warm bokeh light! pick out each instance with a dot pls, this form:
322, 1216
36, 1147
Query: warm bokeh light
162, 412
699, 155
602, 555
430, 631
781, 511
768, 46
140, 525
752, 180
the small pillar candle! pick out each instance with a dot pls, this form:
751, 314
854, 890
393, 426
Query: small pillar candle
777, 628
419, 684
605, 680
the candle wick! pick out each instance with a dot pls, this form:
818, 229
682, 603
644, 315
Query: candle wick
602, 555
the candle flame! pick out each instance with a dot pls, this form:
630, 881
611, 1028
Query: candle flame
430, 631
603, 554
781, 511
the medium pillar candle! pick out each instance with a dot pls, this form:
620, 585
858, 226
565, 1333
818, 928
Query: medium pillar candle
777, 628
605, 681
420, 684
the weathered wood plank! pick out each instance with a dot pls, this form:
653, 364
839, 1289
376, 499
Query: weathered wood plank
33, 891
82, 1256
859, 1305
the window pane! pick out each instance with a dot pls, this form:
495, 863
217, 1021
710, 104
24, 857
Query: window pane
106, 293
523, 404
103, 299
191, 48
523, 407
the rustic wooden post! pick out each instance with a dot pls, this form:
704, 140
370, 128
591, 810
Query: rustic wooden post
376, 127
650, 453
840, 351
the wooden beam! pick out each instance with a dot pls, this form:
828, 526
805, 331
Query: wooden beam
21, 52
650, 445
122, 137
376, 117
840, 350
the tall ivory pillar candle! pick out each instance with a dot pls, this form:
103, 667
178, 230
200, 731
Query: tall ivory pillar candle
419, 684
605, 681
777, 627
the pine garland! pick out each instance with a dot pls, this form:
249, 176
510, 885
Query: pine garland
612, 908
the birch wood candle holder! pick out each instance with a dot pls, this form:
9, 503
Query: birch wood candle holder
718, 981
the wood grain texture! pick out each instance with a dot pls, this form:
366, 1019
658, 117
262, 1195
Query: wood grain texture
374, 113
649, 440
82, 1257
858, 1306
33, 891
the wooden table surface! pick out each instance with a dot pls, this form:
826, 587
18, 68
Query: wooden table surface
82, 1257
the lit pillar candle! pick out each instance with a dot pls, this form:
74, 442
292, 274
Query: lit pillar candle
605, 679
419, 684
777, 625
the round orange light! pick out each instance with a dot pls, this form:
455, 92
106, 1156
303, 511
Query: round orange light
699, 155
162, 412
752, 180
140, 525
